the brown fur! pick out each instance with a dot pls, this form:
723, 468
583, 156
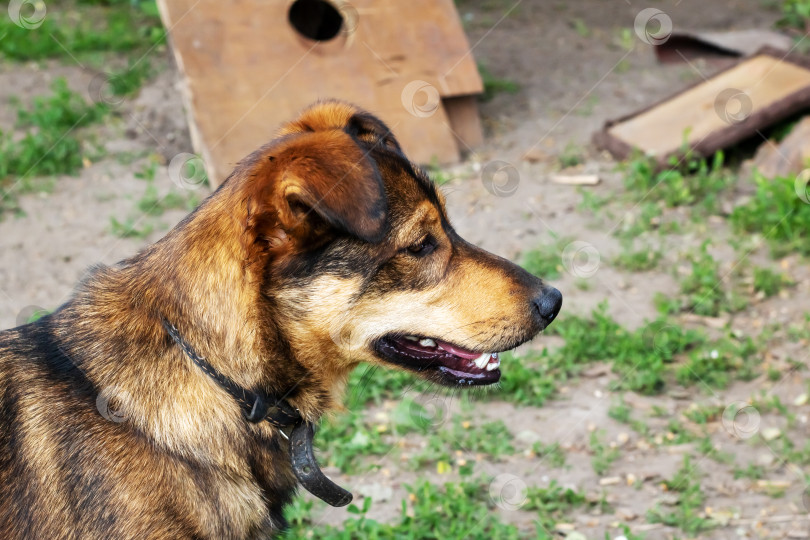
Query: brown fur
283, 279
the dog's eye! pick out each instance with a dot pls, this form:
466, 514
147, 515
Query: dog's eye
423, 247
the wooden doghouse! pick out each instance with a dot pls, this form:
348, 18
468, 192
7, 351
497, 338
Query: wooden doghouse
248, 66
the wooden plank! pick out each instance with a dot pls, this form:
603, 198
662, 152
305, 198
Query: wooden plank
247, 70
719, 112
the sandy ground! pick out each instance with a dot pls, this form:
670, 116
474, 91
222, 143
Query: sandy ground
570, 83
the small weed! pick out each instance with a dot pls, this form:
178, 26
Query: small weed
437, 173
686, 516
129, 228
769, 283
641, 260
620, 411
494, 85
552, 503
707, 448
128, 81
603, 455
580, 28
544, 261
571, 156
752, 472
703, 414
795, 15
703, 289
778, 213
550, 454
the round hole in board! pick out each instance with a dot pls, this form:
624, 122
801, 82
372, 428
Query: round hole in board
317, 20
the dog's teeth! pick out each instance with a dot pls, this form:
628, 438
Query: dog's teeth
427, 342
412, 338
494, 365
482, 360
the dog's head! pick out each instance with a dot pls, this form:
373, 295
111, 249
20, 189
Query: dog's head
360, 262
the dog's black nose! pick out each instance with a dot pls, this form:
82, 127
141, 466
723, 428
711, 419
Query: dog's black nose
548, 304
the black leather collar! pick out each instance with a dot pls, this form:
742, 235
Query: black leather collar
257, 406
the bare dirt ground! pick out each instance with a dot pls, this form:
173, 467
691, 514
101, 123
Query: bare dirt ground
574, 72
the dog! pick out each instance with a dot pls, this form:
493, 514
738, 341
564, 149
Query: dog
137, 409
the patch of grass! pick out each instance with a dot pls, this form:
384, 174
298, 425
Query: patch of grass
552, 503
646, 219
550, 454
150, 205
571, 156
620, 411
128, 81
437, 173
795, 15
769, 283
125, 26
717, 362
641, 260
372, 384
686, 182
455, 510
544, 261
704, 291
130, 228
703, 414
49, 143
751, 472
706, 447
494, 85
778, 213
580, 27
463, 435
602, 455
686, 515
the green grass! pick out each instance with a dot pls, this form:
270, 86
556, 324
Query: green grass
778, 213
795, 15
571, 156
48, 140
640, 260
544, 261
602, 455
717, 363
751, 472
705, 290
769, 283
686, 514
553, 504
492, 439
461, 510
68, 33
688, 182
494, 85
551, 455
127, 82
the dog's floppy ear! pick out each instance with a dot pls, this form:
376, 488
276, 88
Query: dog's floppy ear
310, 182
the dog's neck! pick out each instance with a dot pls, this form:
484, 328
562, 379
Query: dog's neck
217, 305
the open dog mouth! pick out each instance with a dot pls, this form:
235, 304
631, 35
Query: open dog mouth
454, 365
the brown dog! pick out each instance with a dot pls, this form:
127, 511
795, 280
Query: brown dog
135, 410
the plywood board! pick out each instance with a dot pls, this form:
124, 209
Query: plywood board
715, 113
246, 70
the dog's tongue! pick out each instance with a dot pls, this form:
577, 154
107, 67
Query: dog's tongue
452, 349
